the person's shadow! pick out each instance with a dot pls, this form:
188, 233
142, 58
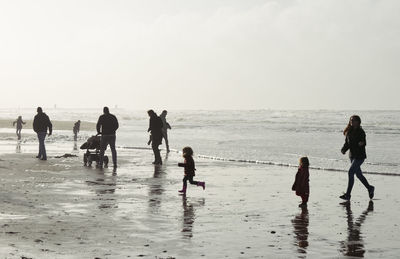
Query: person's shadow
300, 229
189, 215
104, 187
354, 245
18, 147
156, 188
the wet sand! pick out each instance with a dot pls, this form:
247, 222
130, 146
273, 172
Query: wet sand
60, 209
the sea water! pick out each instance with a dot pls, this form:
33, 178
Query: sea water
278, 137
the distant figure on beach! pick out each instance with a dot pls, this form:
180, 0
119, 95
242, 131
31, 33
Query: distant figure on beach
189, 170
76, 129
19, 123
41, 123
165, 128
107, 126
301, 183
155, 128
355, 142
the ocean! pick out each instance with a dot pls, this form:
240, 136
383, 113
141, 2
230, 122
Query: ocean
276, 137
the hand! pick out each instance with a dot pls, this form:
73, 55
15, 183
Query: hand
49, 134
343, 152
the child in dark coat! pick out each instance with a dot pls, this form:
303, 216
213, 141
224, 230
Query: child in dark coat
301, 183
189, 170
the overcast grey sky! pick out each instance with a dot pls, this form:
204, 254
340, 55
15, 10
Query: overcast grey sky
204, 54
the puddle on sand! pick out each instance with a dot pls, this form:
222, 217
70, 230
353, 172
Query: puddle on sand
11, 216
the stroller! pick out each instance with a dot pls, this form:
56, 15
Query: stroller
93, 143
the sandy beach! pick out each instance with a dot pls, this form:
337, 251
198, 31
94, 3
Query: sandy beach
60, 209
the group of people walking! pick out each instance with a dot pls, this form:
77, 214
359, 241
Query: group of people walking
355, 143
107, 125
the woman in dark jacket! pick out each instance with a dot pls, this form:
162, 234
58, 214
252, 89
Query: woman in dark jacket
355, 142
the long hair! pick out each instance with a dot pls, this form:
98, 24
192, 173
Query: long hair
349, 128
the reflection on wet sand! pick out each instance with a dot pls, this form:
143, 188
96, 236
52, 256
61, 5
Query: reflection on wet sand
18, 147
189, 215
156, 188
103, 186
300, 229
354, 245
75, 146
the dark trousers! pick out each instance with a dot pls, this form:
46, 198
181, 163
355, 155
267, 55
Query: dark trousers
42, 148
190, 179
355, 168
304, 198
156, 151
105, 141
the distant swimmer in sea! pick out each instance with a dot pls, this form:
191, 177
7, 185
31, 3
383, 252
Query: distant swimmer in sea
165, 128
355, 142
155, 128
190, 169
19, 122
301, 183
76, 129
107, 126
41, 123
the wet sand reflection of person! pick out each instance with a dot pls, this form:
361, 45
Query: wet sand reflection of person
189, 215
300, 229
354, 245
104, 187
18, 147
156, 189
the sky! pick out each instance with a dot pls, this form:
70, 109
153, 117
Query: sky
208, 54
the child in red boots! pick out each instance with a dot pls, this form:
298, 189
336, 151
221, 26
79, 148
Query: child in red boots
189, 170
301, 185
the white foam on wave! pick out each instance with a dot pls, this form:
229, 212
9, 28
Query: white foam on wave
261, 162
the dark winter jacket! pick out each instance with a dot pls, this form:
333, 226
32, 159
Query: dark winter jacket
189, 166
301, 183
107, 124
41, 122
353, 138
155, 127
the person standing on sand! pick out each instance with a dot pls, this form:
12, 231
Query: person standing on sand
155, 128
301, 184
41, 123
19, 123
165, 128
76, 129
355, 142
189, 170
107, 125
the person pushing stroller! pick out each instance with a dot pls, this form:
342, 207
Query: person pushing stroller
107, 126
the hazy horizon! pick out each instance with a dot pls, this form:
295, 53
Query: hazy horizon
208, 55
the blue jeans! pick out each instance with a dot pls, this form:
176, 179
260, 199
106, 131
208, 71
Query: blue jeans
42, 148
355, 168
105, 141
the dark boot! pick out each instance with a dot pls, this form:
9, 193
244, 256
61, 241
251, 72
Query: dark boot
202, 184
183, 191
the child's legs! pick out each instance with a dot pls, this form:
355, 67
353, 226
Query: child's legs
190, 178
185, 179
304, 198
